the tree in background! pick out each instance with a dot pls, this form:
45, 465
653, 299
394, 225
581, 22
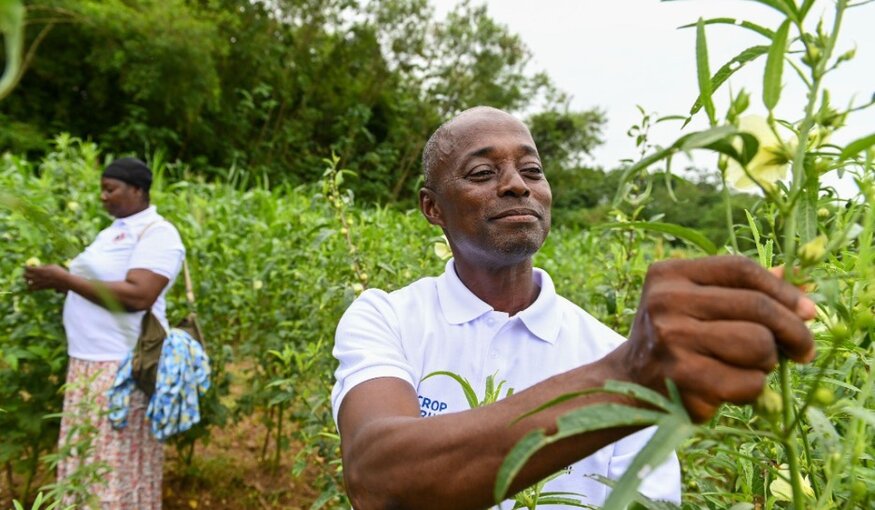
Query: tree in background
269, 87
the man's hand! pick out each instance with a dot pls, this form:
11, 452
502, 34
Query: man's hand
715, 327
46, 277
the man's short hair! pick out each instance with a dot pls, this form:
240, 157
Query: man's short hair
431, 154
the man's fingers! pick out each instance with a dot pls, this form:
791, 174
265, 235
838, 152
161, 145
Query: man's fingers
707, 382
670, 304
742, 344
740, 272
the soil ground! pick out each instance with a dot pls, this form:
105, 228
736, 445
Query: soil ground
228, 474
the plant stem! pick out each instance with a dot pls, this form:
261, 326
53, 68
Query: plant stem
729, 223
788, 436
797, 188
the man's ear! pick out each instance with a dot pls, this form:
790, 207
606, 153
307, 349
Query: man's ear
430, 208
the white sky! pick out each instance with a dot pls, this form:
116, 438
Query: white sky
623, 53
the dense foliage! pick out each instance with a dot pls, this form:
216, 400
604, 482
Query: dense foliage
273, 271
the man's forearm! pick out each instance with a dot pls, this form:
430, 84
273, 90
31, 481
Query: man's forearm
451, 461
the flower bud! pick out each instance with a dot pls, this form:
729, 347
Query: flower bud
864, 320
73, 206
812, 251
839, 331
32, 262
257, 284
358, 288
859, 490
823, 397
823, 213
769, 404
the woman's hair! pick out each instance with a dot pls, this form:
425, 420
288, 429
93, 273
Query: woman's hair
131, 171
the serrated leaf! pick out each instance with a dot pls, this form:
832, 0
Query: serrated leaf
580, 421
689, 235
857, 146
729, 68
775, 67
737, 23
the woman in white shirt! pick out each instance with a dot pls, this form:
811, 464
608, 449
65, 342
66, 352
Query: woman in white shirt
126, 270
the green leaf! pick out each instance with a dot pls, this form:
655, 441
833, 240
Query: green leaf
705, 138
867, 415
515, 460
775, 67
470, 396
693, 237
642, 393
580, 421
703, 71
729, 68
806, 216
738, 23
12, 28
672, 431
641, 165
857, 146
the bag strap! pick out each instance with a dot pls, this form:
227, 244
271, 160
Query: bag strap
189, 288
143, 232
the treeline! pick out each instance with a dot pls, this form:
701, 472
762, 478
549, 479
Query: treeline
271, 88
274, 86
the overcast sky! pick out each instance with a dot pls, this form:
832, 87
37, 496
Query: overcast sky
619, 54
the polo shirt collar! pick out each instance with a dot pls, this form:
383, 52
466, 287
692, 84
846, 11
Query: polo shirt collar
459, 305
138, 220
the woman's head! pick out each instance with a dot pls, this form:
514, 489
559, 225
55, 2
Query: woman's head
124, 187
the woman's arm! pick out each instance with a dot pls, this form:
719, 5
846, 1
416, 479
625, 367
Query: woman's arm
138, 291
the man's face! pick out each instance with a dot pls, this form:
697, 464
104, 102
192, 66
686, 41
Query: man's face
490, 195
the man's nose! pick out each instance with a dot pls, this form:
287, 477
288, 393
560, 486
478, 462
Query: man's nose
512, 183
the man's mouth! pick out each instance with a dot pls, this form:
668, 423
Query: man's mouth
517, 214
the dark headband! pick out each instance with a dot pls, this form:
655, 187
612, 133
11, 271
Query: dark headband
130, 170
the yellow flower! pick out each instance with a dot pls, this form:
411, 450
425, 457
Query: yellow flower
781, 488
33, 261
771, 161
442, 249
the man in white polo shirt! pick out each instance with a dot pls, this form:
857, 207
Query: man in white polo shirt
713, 326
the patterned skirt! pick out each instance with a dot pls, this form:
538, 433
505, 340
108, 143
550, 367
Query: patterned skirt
111, 469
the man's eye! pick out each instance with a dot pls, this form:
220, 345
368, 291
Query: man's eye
481, 173
533, 171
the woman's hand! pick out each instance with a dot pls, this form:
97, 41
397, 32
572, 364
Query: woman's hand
50, 276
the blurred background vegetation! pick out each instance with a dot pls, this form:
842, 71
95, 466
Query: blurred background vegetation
270, 88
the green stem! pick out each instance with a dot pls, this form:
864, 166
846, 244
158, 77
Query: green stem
788, 436
729, 223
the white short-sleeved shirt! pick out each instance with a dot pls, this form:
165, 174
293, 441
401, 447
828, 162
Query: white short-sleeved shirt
437, 324
93, 332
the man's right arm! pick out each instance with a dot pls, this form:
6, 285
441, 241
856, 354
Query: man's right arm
713, 326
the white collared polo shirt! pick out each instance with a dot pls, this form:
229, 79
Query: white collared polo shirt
437, 324
95, 333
